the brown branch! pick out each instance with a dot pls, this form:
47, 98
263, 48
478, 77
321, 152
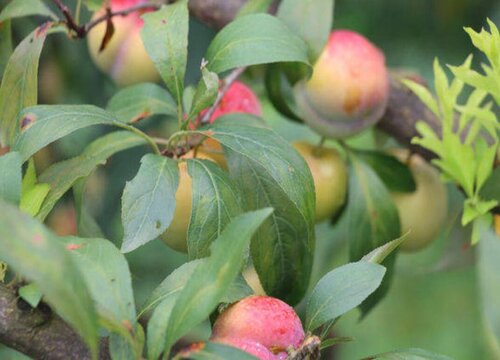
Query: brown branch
70, 20
39, 333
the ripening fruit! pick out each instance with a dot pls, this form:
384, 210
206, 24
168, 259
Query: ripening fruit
260, 319
329, 173
422, 212
349, 87
176, 234
238, 99
124, 58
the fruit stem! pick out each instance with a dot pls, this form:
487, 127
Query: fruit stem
317, 149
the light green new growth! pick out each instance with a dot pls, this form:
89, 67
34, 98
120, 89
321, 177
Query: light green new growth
468, 144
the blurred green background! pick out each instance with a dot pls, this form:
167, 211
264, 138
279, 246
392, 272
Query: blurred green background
433, 302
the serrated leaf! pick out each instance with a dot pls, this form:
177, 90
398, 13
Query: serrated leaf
43, 124
140, 101
148, 201
341, 290
215, 351
269, 172
31, 294
206, 93
165, 37
424, 95
19, 87
36, 254
32, 200
214, 203
10, 177
211, 280
395, 175
21, 8
312, 20
252, 40
371, 220
107, 276
62, 175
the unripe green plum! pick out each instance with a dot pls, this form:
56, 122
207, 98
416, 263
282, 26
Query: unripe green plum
422, 212
349, 87
124, 58
329, 173
176, 234
262, 319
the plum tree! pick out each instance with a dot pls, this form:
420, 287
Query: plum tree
176, 234
124, 57
261, 320
422, 212
349, 87
330, 178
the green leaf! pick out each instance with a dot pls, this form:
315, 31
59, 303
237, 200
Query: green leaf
206, 93
341, 290
424, 95
214, 351
157, 326
378, 255
122, 349
489, 278
137, 102
61, 176
31, 294
148, 201
239, 289
29, 179
409, 354
212, 279
395, 175
5, 44
43, 124
312, 20
252, 40
10, 177
215, 202
36, 254
19, 87
21, 8
371, 220
107, 276
32, 200
171, 286
86, 225
165, 36
254, 7
270, 173
491, 188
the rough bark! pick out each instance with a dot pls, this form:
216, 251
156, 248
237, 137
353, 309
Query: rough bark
38, 333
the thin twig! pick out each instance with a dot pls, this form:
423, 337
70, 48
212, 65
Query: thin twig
123, 12
226, 84
70, 21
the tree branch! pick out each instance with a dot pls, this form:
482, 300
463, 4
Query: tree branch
39, 333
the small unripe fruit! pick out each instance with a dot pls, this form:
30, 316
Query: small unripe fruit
329, 173
262, 319
124, 58
349, 87
176, 234
422, 212
239, 98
